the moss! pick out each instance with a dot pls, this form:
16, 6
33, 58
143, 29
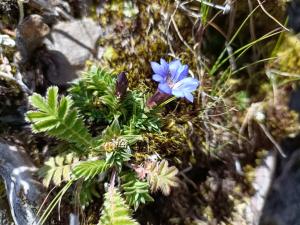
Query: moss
289, 54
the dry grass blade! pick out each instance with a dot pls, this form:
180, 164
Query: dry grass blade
272, 17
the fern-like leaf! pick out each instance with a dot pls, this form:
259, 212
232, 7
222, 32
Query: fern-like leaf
58, 119
162, 177
57, 169
88, 170
112, 131
115, 211
94, 94
88, 192
140, 118
118, 157
135, 191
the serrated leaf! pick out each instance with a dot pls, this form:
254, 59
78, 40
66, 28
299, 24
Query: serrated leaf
38, 102
89, 192
112, 131
57, 169
135, 191
64, 105
57, 119
118, 157
95, 88
162, 177
132, 139
35, 116
88, 170
115, 211
52, 98
48, 123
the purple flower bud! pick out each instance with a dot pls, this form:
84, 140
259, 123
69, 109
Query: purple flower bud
121, 85
156, 99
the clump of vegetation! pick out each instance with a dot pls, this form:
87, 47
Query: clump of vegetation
120, 144
231, 54
100, 98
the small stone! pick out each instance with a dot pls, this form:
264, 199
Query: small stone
30, 35
6, 40
259, 116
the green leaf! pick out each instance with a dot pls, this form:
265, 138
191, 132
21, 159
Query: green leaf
95, 95
118, 157
112, 131
64, 107
52, 98
45, 124
135, 191
38, 102
115, 211
88, 192
36, 116
58, 119
132, 139
88, 170
57, 169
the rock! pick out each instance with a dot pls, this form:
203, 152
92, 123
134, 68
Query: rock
12, 104
56, 68
293, 11
261, 184
43, 62
75, 39
42, 4
9, 12
23, 190
40, 66
294, 103
282, 204
30, 35
6, 40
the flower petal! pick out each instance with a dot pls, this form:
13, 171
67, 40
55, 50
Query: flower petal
188, 84
189, 96
173, 67
164, 65
157, 68
158, 78
178, 93
181, 73
164, 87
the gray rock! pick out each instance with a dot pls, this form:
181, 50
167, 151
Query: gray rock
24, 192
75, 39
56, 68
283, 202
261, 184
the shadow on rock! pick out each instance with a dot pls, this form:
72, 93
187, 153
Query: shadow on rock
24, 192
51, 54
282, 205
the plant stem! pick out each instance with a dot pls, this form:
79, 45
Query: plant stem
21, 10
112, 179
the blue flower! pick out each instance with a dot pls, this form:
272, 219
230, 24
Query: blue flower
173, 80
